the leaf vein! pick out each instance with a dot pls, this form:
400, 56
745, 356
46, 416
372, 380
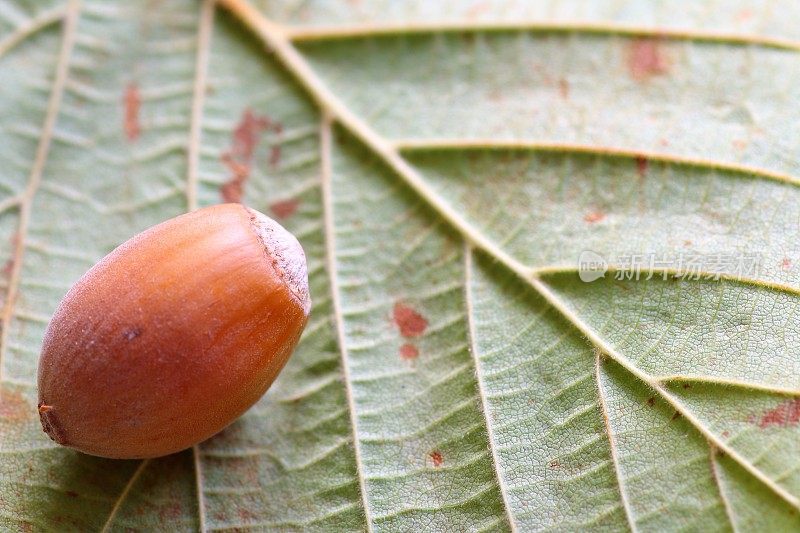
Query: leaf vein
423, 145
712, 457
324, 33
198, 99
124, 494
482, 394
330, 250
70, 22
626, 506
37, 23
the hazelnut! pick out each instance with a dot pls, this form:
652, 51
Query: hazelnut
173, 335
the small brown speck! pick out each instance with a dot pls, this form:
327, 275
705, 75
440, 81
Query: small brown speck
594, 217
132, 101
410, 322
409, 352
646, 59
239, 158
284, 208
437, 458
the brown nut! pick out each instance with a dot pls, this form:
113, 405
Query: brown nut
173, 335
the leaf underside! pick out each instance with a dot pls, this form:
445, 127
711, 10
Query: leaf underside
444, 168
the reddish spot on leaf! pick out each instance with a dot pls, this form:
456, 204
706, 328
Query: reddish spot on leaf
726, 434
786, 264
71, 494
641, 166
651, 401
246, 135
555, 463
687, 385
785, 414
285, 208
275, 155
594, 217
409, 351
676, 415
239, 159
8, 267
563, 88
275, 150
646, 59
411, 323
133, 101
232, 190
437, 458
14, 407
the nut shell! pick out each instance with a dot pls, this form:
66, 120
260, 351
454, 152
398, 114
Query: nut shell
173, 335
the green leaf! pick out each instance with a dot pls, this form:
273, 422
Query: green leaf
444, 168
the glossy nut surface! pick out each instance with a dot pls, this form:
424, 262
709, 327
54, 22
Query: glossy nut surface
173, 335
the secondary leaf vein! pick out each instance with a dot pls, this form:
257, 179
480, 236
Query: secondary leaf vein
422, 145
35, 177
330, 246
324, 33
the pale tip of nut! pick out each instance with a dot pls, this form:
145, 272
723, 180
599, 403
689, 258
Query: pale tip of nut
286, 254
